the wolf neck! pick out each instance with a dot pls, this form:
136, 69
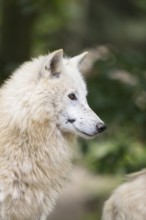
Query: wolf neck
46, 137
43, 154
36, 139
47, 134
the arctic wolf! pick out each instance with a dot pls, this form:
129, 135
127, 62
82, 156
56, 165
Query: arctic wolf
128, 202
42, 108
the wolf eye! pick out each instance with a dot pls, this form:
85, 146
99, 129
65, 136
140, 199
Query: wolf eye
72, 96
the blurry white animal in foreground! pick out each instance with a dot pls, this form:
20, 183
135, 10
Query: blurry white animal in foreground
128, 202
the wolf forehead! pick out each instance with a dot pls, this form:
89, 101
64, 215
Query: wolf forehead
52, 66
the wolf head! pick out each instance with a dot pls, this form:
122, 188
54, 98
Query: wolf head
51, 88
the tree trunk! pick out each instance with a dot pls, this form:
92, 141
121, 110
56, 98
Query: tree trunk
16, 36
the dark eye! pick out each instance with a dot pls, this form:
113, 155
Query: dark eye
72, 96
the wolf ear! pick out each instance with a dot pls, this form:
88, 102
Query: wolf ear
77, 60
55, 63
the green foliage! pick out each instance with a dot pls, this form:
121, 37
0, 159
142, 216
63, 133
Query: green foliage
121, 155
91, 216
121, 103
117, 93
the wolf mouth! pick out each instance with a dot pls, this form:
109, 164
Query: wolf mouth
90, 135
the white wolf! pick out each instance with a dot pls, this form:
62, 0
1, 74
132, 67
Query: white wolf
128, 202
42, 107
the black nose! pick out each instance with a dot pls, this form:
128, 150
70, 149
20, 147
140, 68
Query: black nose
101, 127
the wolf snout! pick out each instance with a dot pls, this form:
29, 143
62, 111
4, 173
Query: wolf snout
100, 127
71, 121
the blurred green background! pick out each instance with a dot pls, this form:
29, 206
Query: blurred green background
114, 32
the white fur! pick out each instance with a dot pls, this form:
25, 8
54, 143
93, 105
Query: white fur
35, 135
128, 202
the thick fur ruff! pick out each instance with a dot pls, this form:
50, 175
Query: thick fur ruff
128, 201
